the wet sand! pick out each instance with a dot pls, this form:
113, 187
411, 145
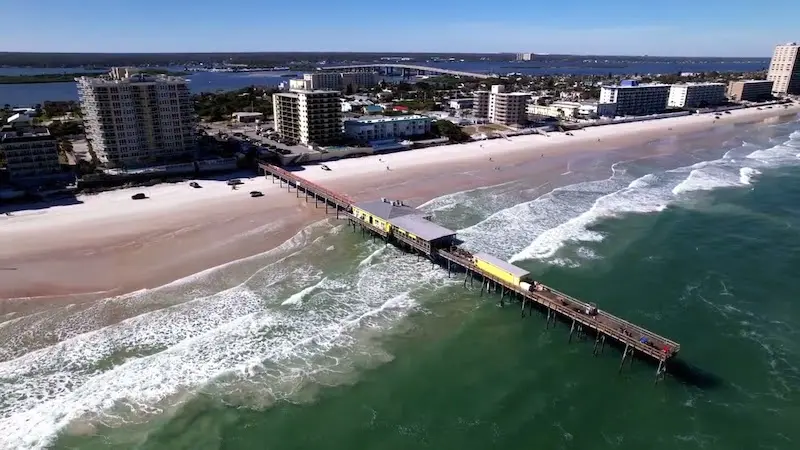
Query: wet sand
110, 245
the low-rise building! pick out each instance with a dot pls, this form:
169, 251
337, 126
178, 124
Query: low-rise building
308, 117
29, 152
562, 110
750, 90
247, 117
696, 95
461, 103
633, 99
507, 108
376, 128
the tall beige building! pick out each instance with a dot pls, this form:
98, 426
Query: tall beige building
133, 119
308, 117
784, 69
508, 108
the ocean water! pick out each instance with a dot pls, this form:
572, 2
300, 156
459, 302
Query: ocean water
334, 340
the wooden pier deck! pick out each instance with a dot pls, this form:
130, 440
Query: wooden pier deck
602, 325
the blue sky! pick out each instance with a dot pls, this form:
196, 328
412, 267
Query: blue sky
668, 28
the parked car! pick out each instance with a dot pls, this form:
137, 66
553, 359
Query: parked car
195, 184
138, 196
234, 182
324, 167
256, 194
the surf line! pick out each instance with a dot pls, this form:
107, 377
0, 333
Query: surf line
396, 223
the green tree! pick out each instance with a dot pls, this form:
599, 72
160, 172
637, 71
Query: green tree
448, 129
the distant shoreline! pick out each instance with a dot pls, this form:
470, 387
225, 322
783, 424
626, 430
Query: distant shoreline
67, 77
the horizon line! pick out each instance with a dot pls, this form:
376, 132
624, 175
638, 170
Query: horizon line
368, 53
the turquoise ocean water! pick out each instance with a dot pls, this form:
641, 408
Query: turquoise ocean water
334, 341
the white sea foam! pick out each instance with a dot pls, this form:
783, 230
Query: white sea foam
706, 179
639, 197
297, 298
747, 175
541, 227
148, 363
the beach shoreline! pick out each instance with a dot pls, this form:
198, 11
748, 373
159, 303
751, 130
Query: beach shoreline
110, 245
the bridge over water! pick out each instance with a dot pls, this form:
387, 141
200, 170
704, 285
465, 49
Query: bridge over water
404, 69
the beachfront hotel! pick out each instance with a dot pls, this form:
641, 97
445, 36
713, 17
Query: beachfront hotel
633, 99
784, 69
376, 128
332, 81
508, 108
750, 90
696, 95
308, 117
30, 152
132, 118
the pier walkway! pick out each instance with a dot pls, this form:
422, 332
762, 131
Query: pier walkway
585, 318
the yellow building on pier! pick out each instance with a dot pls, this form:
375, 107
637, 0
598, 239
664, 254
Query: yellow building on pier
396, 219
500, 269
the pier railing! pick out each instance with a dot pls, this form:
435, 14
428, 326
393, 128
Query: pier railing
603, 322
583, 315
340, 200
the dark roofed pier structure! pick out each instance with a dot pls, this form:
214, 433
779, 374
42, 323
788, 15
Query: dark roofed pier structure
410, 229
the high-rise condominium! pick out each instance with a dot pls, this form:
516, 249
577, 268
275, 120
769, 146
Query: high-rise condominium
308, 117
134, 119
784, 69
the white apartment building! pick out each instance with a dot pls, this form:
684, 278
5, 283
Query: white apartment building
524, 56
696, 95
308, 117
376, 128
132, 118
634, 100
333, 81
784, 69
461, 103
29, 152
508, 108
480, 104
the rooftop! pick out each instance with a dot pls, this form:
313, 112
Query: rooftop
508, 267
9, 133
385, 209
247, 114
638, 86
127, 75
421, 227
378, 119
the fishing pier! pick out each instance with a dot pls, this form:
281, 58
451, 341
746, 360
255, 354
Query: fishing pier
413, 231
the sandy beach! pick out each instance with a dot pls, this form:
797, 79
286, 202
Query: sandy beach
108, 244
